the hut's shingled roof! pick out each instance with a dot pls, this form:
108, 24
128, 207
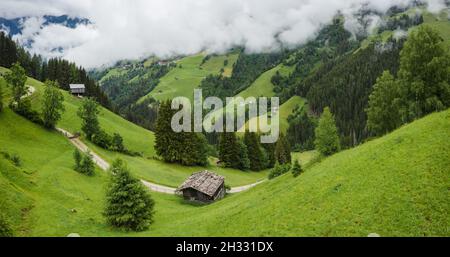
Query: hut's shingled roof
203, 181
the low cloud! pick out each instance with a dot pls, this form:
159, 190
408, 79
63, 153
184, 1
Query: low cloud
125, 29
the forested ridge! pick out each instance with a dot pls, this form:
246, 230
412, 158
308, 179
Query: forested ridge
62, 71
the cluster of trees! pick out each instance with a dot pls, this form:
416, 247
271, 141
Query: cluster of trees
84, 163
186, 148
128, 206
52, 105
249, 153
403, 22
246, 69
422, 84
55, 69
88, 112
125, 88
143, 113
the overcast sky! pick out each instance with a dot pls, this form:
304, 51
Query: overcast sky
130, 29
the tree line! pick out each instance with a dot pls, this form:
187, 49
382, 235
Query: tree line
55, 69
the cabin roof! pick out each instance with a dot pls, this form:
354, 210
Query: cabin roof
76, 86
204, 181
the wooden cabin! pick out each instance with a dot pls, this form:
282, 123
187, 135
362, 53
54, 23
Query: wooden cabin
203, 186
77, 89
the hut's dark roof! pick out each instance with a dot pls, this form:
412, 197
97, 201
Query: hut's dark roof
203, 181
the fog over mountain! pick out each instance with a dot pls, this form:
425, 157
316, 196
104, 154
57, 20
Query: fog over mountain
120, 29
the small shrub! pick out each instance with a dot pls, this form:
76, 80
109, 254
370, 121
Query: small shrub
16, 160
23, 108
279, 170
296, 168
102, 139
84, 163
5, 227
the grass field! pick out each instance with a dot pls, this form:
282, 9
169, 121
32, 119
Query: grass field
284, 112
182, 80
394, 186
263, 86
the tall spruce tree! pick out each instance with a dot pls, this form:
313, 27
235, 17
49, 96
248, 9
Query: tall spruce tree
16, 79
283, 150
88, 113
128, 203
327, 138
52, 105
383, 112
254, 151
231, 152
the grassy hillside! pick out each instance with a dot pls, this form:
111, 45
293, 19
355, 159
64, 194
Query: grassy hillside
141, 140
394, 186
284, 112
182, 80
263, 86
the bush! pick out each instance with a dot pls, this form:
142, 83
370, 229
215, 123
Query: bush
296, 168
14, 158
102, 139
23, 108
279, 170
5, 227
128, 204
84, 163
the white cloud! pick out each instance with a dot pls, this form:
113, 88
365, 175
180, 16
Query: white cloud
125, 29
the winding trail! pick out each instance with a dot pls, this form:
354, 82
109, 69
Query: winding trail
104, 165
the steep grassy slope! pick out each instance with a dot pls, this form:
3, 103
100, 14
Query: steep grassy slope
263, 86
182, 80
284, 112
136, 138
42, 192
395, 185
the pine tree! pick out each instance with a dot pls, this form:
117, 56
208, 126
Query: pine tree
383, 112
16, 79
254, 151
167, 142
230, 151
283, 150
52, 105
270, 154
128, 204
296, 168
244, 161
327, 138
88, 112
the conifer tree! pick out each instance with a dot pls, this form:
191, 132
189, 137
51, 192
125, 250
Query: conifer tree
52, 105
88, 113
327, 138
87, 166
254, 151
231, 153
283, 150
128, 203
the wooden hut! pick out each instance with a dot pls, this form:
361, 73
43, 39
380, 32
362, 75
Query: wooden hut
77, 89
203, 186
